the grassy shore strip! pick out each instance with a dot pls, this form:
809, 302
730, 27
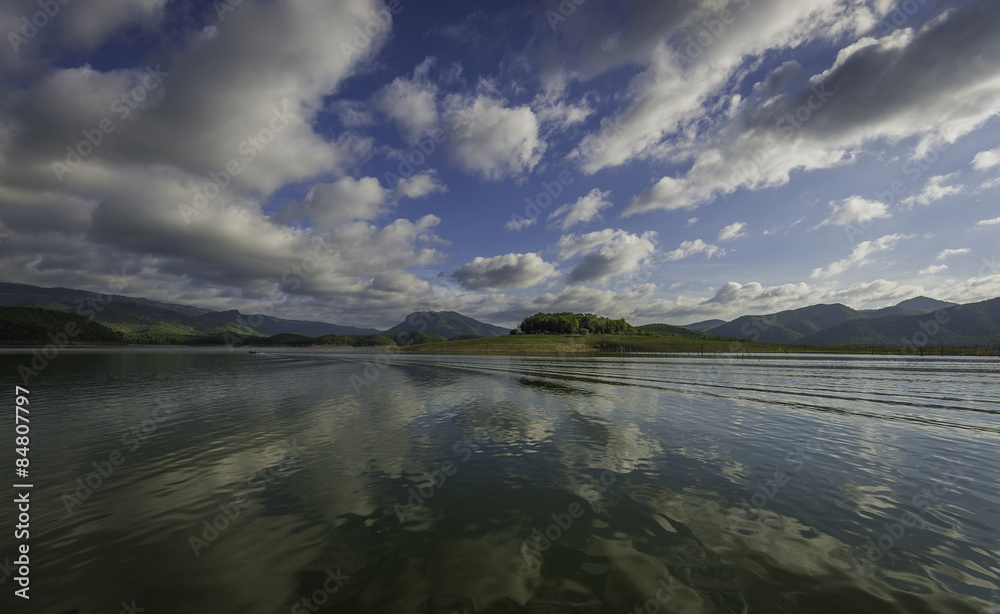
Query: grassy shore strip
618, 344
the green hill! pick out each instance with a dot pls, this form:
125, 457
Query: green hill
669, 330
788, 326
141, 320
34, 325
972, 325
704, 326
446, 324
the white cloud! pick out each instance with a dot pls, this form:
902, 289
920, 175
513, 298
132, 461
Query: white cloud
986, 159
606, 253
952, 252
692, 222
353, 114
692, 248
860, 255
934, 191
855, 210
487, 138
934, 269
842, 110
560, 113
344, 200
984, 223
517, 225
585, 209
507, 272
412, 103
732, 232
419, 185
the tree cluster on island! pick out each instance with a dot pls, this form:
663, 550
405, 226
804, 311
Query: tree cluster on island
566, 323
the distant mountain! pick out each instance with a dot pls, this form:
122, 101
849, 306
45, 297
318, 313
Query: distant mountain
972, 325
142, 320
787, 326
924, 304
447, 324
704, 326
669, 330
44, 326
889, 311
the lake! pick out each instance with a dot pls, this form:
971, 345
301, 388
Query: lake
203, 480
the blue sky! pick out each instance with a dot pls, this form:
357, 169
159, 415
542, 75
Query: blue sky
356, 160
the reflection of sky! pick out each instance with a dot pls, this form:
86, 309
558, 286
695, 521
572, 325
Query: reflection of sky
683, 447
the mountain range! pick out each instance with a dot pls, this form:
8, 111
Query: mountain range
141, 320
920, 321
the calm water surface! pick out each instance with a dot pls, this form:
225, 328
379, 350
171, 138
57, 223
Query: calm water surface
300, 481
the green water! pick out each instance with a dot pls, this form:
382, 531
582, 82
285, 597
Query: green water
300, 481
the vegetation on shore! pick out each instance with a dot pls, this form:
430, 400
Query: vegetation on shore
630, 344
33, 325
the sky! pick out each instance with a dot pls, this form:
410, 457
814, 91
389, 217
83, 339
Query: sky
352, 161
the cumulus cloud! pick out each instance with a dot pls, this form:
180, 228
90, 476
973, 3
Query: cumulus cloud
507, 272
855, 210
934, 269
517, 225
692, 248
412, 103
733, 231
878, 88
490, 139
934, 191
606, 253
861, 255
585, 209
986, 159
419, 185
346, 199
948, 253
984, 223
